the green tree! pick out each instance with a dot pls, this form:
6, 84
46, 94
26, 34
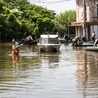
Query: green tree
63, 22
18, 18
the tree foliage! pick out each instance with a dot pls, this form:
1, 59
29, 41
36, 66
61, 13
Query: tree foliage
18, 18
63, 22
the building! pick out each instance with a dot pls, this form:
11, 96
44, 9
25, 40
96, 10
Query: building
86, 18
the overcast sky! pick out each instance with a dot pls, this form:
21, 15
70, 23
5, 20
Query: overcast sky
56, 5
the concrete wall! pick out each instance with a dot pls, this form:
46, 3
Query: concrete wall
91, 6
91, 11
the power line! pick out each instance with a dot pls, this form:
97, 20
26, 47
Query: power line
55, 1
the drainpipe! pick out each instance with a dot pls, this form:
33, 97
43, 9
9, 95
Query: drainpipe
84, 20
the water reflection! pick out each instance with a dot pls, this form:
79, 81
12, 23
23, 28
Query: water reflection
15, 60
77, 48
91, 59
51, 59
10, 63
30, 48
72, 73
87, 73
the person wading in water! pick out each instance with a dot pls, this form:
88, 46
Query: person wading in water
15, 52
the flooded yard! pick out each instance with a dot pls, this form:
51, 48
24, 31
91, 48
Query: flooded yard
70, 73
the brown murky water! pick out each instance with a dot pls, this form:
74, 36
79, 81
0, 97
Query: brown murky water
69, 73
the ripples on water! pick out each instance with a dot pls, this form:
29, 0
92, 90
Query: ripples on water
70, 73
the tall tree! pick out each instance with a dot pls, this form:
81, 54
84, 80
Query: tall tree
63, 22
19, 18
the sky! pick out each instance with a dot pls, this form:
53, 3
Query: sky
57, 5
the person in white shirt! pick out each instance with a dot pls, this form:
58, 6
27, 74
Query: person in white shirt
93, 36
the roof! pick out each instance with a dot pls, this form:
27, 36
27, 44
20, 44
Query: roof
49, 36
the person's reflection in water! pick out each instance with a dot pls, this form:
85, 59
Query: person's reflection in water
15, 60
31, 48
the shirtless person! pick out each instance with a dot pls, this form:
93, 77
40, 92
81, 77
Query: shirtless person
15, 52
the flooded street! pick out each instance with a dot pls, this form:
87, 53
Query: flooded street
70, 73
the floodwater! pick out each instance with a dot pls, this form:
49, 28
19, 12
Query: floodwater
70, 73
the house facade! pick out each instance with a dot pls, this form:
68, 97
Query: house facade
91, 10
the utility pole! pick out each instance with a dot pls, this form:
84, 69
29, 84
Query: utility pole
84, 19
